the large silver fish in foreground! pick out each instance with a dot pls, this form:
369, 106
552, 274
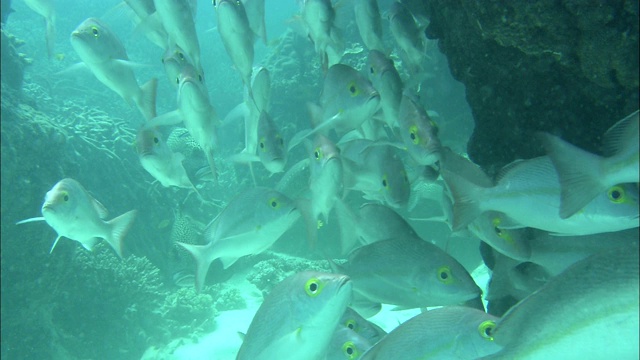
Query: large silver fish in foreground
418, 132
73, 213
445, 333
528, 192
590, 311
250, 224
298, 318
103, 53
584, 175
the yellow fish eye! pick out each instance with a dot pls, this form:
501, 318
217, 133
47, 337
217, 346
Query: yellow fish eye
444, 275
65, 196
318, 153
262, 146
313, 287
372, 70
413, 134
95, 31
180, 55
385, 183
350, 350
351, 324
274, 203
486, 328
353, 89
616, 195
156, 140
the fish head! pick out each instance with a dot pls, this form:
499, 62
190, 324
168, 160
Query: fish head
323, 292
379, 64
95, 42
148, 142
447, 282
62, 202
419, 132
390, 175
174, 60
271, 147
619, 202
192, 90
346, 91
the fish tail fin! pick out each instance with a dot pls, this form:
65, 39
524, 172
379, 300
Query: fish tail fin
579, 173
199, 253
119, 228
51, 36
465, 206
348, 224
146, 101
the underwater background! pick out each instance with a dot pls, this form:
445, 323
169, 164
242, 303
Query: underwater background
76, 304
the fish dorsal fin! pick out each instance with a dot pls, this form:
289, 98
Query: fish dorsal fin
621, 135
100, 209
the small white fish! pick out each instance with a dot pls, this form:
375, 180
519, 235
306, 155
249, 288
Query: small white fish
73, 213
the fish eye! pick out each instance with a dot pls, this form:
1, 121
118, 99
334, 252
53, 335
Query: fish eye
413, 134
199, 77
372, 70
351, 324
349, 349
65, 196
616, 194
486, 328
281, 140
444, 275
353, 89
313, 287
317, 154
177, 80
180, 55
95, 31
156, 140
274, 203
385, 184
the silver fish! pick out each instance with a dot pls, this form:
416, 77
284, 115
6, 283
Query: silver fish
237, 36
528, 192
370, 331
297, 318
150, 25
46, 9
271, 148
249, 224
376, 170
319, 19
73, 213
583, 175
548, 325
386, 80
103, 53
346, 344
408, 36
407, 272
369, 23
196, 111
450, 332
255, 15
418, 132
177, 19
157, 158
325, 181
174, 60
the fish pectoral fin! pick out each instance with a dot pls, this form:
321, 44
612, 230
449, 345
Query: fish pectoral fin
75, 68
100, 209
171, 118
89, 245
33, 219
54, 244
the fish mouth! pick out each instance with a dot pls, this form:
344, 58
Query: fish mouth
48, 208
